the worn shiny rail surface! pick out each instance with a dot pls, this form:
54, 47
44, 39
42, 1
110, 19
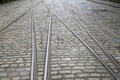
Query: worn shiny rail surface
96, 55
48, 49
46, 67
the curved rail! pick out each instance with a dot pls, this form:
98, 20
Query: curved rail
33, 60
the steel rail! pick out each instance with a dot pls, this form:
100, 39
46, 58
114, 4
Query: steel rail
114, 37
91, 50
97, 21
48, 48
33, 59
33, 62
107, 29
110, 32
117, 36
98, 43
16, 19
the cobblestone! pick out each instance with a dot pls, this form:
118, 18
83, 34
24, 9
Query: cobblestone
16, 44
68, 67
25, 78
93, 79
69, 58
11, 69
40, 78
57, 77
107, 39
13, 74
82, 33
5, 79
16, 78
3, 74
41, 29
69, 76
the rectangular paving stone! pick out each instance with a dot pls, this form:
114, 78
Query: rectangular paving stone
93, 79
69, 76
83, 75
3, 74
95, 74
56, 77
65, 71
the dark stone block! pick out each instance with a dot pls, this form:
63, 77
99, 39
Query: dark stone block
3, 1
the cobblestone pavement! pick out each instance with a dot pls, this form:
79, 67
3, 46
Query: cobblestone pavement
15, 50
106, 17
69, 58
93, 27
9, 13
103, 16
41, 30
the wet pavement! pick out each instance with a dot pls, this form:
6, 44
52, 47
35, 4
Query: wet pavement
83, 44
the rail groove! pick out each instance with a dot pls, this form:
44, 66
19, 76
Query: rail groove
115, 77
111, 58
91, 50
33, 63
99, 44
46, 70
18, 17
48, 49
104, 29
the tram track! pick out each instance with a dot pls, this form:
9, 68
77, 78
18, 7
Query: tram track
46, 76
16, 19
109, 56
36, 65
109, 33
96, 55
113, 60
112, 27
88, 46
105, 28
46, 71
104, 51
91, 50
33, 62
